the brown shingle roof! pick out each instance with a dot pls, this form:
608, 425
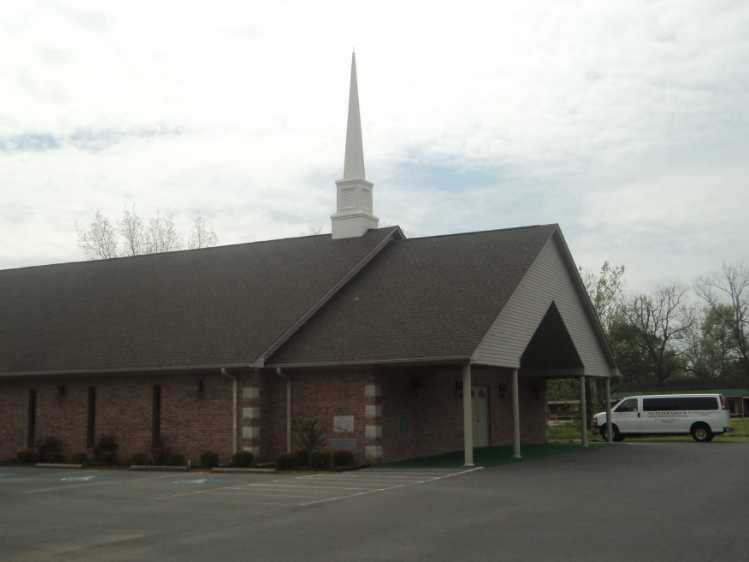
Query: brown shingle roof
215, 306
420, 298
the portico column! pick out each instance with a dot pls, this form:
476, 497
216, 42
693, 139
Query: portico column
609, 425
467, 416
583, 413
515, 416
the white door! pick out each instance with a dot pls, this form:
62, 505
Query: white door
480, 400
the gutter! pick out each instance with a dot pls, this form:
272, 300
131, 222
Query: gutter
234, 409
289, 428
445, 360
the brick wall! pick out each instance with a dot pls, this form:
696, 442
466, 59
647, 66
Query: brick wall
394, 413
191, 421
321, 395
423, 410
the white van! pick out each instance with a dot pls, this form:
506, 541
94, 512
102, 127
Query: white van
701, 415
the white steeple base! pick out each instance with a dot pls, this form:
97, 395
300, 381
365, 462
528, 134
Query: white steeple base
352, 225
354, 216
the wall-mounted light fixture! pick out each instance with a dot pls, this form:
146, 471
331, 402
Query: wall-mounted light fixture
201, 388
61, 390
459, 389
502, 389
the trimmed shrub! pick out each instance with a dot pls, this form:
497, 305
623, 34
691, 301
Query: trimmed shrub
209, 459
105, 451
243, 459
287, 462
321, 459
50, 450
80, 458
27, 456
175, 459
343, 458
302, 458
140, 459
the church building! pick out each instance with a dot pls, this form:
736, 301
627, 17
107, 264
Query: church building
399, 347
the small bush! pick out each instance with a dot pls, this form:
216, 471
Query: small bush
243, 459
140, 459
209, 459
302, 458
50, 450
27, 456
311, 436
343, 458
106, 450
175, 459
81, 458
287, 462
321, 459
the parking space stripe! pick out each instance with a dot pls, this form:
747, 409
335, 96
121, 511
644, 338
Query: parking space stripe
263, 494
94, 483
313, 489
394, 487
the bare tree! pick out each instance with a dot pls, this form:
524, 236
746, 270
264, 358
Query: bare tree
99, 240
161, 235
133, 233
201, 235
730, 288
135, 236
661, 321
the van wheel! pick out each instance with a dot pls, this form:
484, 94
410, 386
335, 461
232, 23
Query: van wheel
616, 436
702, 433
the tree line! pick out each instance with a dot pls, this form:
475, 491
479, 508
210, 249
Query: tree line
133, 235
676, 335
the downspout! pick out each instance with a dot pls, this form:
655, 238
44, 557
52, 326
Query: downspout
287, 378
234, 409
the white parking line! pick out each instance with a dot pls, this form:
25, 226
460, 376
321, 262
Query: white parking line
94, 483
313, 489
364, 493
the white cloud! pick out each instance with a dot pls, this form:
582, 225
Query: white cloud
624, 122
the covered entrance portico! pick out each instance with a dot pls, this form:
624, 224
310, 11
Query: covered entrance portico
550, 354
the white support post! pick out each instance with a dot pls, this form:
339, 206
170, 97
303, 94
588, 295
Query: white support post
467, 416
583, 413
609, 425
515, 416
288, 414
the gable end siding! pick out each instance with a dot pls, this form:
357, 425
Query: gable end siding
547, 280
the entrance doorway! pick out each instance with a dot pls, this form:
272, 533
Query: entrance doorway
480, 400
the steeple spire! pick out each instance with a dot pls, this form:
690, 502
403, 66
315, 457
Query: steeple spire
354, 208
353, 163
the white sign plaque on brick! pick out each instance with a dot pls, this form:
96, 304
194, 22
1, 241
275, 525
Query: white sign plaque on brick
343, 424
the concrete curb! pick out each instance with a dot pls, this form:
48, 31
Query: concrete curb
57, 465
158, 468
229, 469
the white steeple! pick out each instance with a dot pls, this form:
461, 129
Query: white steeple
354, 208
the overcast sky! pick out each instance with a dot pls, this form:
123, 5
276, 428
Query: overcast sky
626, 122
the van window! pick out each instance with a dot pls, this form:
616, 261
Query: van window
627, 406
679, 403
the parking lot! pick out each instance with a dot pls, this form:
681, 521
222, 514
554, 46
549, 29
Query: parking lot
248, 490
630, 501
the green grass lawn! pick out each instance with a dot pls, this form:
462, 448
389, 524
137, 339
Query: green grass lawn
489, 456
570, 433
